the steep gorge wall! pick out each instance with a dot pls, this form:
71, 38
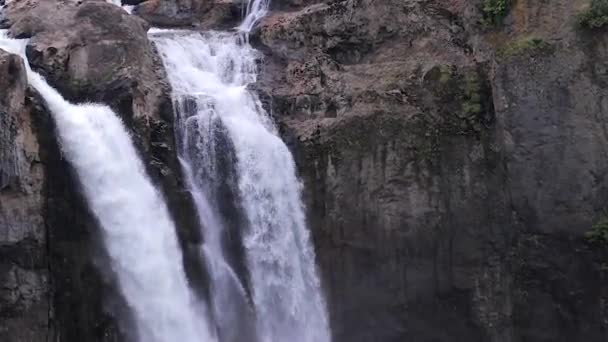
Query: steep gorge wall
451, 169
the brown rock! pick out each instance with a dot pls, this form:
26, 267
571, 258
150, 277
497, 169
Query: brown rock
203, 14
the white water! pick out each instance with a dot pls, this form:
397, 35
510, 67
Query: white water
212, 70
138, 232
127, 8
256, 10
228, 297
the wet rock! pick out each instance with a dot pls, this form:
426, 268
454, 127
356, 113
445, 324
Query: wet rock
24, 286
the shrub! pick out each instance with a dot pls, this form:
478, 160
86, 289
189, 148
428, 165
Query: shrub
598, 232
494, 11
523, 45
595, 16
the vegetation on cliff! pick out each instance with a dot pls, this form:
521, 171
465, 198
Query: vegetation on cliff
494, 11
599, 232
526, 45
595, 16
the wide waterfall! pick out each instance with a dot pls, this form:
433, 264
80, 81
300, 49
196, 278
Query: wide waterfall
263, 282
218, 119
138, 232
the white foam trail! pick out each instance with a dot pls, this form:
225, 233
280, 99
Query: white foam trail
213, 69
138, 232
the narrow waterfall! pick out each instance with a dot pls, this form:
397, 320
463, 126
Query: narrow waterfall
256, 10
209, 73
205, 158
137, 229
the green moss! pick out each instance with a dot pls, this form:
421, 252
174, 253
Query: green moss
445, 74
595, 16
526, 45
463, 97
471, 103
424, 133
598, 232
494, 11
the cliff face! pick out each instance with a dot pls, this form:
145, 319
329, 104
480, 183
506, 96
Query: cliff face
452, 161
24, 277
451, 168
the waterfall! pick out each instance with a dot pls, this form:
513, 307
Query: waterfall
209, 73
138, 232
263, 279
256, 10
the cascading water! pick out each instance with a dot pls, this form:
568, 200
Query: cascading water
138, 232
209, 73
256, 10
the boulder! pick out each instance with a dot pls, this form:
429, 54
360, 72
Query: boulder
203, 14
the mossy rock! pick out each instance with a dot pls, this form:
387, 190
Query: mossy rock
526, 46
463, 96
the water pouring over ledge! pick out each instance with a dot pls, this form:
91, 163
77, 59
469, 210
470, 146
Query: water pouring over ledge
255, 11
137, 230
209, 73
283, 285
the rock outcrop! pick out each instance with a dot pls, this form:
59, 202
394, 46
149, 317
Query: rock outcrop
202, 14
451, 169
24, 277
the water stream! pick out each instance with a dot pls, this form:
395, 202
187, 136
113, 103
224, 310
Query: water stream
138, 232
210, 73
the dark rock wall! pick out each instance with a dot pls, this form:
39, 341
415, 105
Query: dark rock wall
451, 169
24, 277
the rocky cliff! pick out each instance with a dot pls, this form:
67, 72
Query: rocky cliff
453, 155
24, 275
